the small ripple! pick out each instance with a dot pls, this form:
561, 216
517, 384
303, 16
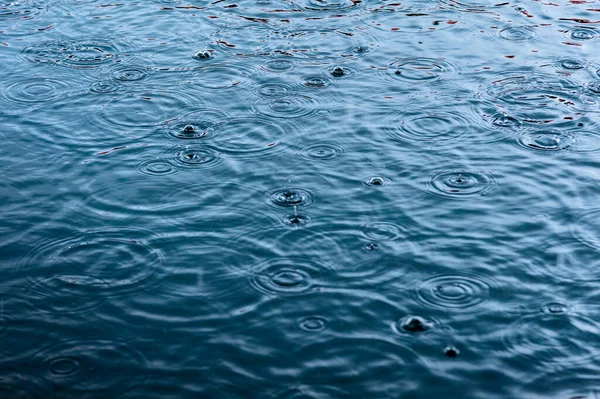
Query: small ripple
219, 76
571, 64
330, 5
421, 69
384, 231
193, 125
74, 54
105, 87
288, 276
279, 65
198, 158
313, 323
316, 82
554, 308
427, 126
582, 34
273, 90
156, 167
461, 183
79, 273
454, 291
504, 120
376, 181
547, 338
518, 34
546, 140
291, 197
534, 90
295, 106
130, 73
322, 152
296, 220
88, 367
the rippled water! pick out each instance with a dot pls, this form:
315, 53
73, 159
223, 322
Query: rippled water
300, 199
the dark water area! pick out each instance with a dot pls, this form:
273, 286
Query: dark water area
300, 199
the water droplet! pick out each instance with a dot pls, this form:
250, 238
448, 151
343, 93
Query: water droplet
376, 181
414, 324
451, 351
296, 220
203, 55
338, 71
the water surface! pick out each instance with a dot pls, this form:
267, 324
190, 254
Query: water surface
299, 199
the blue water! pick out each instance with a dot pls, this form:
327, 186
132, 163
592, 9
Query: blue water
300, 199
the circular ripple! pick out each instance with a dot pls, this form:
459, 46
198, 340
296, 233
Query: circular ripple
288, 107
198, 157
105, 86
75, 54
322, 152
33, 90
279, 65
315, 82
78, 273
273, 90
140, 110
383, 231
249, 137
313, 323
571, 63
329, 5
93, 366
518, 34
289, 276
421, 69
504, 120
376, 181
438, 127
194, 125
461, 183
553, 338
454, 291
291, 197
156, 167
547, 140
296, 220
534, 90
130, 73
582, 34
219, 77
